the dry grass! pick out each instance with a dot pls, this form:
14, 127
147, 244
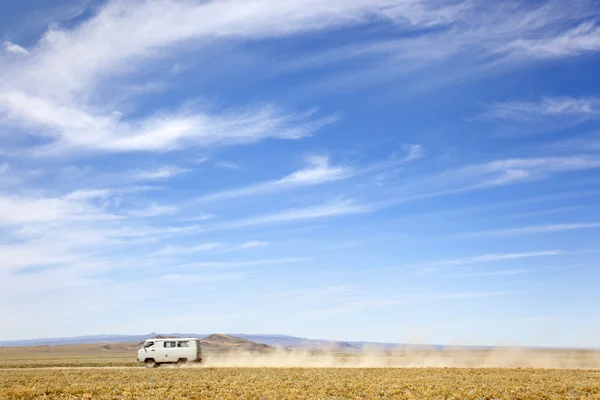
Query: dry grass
41, 373
299, 383
94, 355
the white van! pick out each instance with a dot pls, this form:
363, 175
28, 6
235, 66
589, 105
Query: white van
170, 351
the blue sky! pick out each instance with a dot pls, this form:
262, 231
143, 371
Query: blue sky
386, 170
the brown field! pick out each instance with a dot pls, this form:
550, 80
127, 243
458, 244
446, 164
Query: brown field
298, 383
111, 372
92, 355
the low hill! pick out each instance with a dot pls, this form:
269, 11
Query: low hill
285, 341
225, 343
211, 344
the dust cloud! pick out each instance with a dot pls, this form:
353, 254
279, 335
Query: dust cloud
373, 357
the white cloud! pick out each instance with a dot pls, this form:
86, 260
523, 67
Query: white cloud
73, 127
154, 210
319, 294
201, 217
81, 231
327, 210
543, 212
535, 229
436, 266
227, 165
547, 108
493, 36
201, 160
497, 257
53, 231
180, 250
415, 151
16, 210
177, 250
50, 91
81, 57
241, 264
15, 48
506, 272
160, 173
585, 38
317, 171
252, 244
83, 194
192, 279
517, 170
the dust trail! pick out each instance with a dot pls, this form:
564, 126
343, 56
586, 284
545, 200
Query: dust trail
411, 358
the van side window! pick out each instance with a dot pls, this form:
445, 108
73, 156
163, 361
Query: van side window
148, 344
169, 344
183, 344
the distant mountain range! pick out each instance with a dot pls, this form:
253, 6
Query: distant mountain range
286, 341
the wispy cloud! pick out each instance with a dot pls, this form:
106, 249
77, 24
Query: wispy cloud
497, 257
192, 279
58, 105
160, 173
415, 151
227, 165
536, 229
154, 210
491, 174
317, 171
86, 194
515, 170
16, 210
435, 266
494, 36
252, 244
241, 264
315, 294
543, 212
328, 210
15, 48
548, 108
506, 272
71, 127
584, 38
200, 217
180, 250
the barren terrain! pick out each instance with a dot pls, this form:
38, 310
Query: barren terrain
229, 351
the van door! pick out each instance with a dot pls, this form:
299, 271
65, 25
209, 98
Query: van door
149, 351
185, 350
169, 351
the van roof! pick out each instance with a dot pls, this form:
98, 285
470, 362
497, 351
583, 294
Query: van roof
169, 339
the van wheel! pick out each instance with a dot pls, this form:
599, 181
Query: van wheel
182, 361
150, 363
